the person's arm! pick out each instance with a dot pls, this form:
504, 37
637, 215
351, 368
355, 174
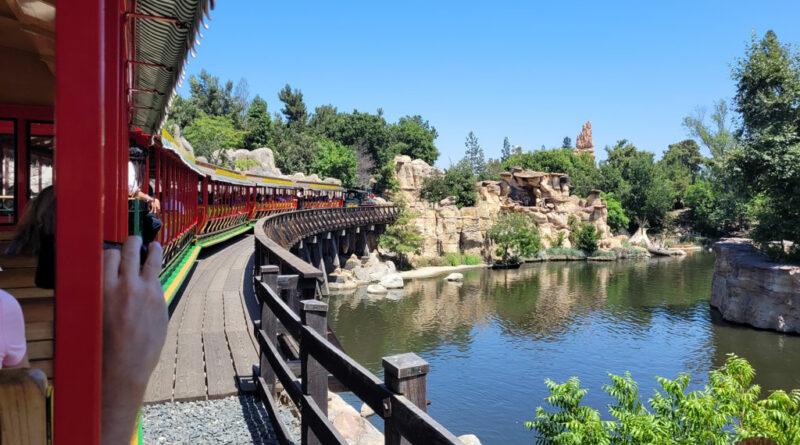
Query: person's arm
134, 329
155, 204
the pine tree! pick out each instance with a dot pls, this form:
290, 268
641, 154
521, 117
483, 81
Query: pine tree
505, 153
474, 155
567, 143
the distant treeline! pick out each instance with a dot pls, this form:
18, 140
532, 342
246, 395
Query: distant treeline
356, 147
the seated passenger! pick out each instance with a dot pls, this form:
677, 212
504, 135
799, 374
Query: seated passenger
36, 236
149, 225
12, 333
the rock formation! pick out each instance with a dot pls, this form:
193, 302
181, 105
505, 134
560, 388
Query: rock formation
544, 197
584, 144
748, 288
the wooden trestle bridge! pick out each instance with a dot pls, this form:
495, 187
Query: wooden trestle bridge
251, 319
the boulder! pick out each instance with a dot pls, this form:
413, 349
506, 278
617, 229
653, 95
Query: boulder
349, 423
392, 281
352, 262
469, 439
366, 411
449, 201
376, 289
749, 288
455, 276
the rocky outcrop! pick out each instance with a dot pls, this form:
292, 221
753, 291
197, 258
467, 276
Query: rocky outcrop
356, 272
545, 197
585, 144
748, 288
355, 429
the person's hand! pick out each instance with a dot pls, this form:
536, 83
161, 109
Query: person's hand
155, 206
134, 329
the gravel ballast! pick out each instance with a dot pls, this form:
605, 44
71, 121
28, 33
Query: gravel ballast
233, 420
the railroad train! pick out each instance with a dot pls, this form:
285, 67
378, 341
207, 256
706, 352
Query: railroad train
76, 89
202, 203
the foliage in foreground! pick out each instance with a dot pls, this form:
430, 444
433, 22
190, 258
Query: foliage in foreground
402, 237
515, 235
728, 409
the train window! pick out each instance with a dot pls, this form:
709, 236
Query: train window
7, 171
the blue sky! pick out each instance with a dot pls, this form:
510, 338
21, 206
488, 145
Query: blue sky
532, 71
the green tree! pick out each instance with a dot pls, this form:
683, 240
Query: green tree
717, 137
681, 164
474, 155
334, 160
213, 134
493, 169
259, 126
460, 180
585, 237
295, 149
182, 112
505, 153
515, 236
418, 136
567, 142
616, 216
214, 99
293, 106
639, 184
767, 165
434, 188
402, 237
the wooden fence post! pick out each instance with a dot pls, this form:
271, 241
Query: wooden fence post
269, 324
314, 314
405, 374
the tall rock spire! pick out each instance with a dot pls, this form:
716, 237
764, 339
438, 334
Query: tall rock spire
584, 144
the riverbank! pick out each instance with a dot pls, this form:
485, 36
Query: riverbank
434, 271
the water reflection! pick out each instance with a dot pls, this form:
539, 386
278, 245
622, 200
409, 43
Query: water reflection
492, 340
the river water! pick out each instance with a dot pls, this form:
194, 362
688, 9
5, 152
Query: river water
493, 340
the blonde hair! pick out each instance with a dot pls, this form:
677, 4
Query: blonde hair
37, 220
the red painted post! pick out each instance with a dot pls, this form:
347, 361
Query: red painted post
81, 120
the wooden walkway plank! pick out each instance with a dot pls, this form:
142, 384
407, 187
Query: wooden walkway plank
220, 374
190, 378
214, 320
162, 381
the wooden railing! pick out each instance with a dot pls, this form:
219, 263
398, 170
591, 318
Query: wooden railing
286, 288
286, 229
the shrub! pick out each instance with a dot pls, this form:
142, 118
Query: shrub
402, 237
616, 216
585, 237
560, 251
471, 260
245, 164
457, 259
558, 241
434, 189
515, 235
728, 409
461, 183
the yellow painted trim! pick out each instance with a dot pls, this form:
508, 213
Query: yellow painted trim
176, 283
331, 187
165, 134
222, 172
277, 181
230, 235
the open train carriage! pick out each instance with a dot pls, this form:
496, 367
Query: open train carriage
273, 195
78, 79
227, 200
319, 194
